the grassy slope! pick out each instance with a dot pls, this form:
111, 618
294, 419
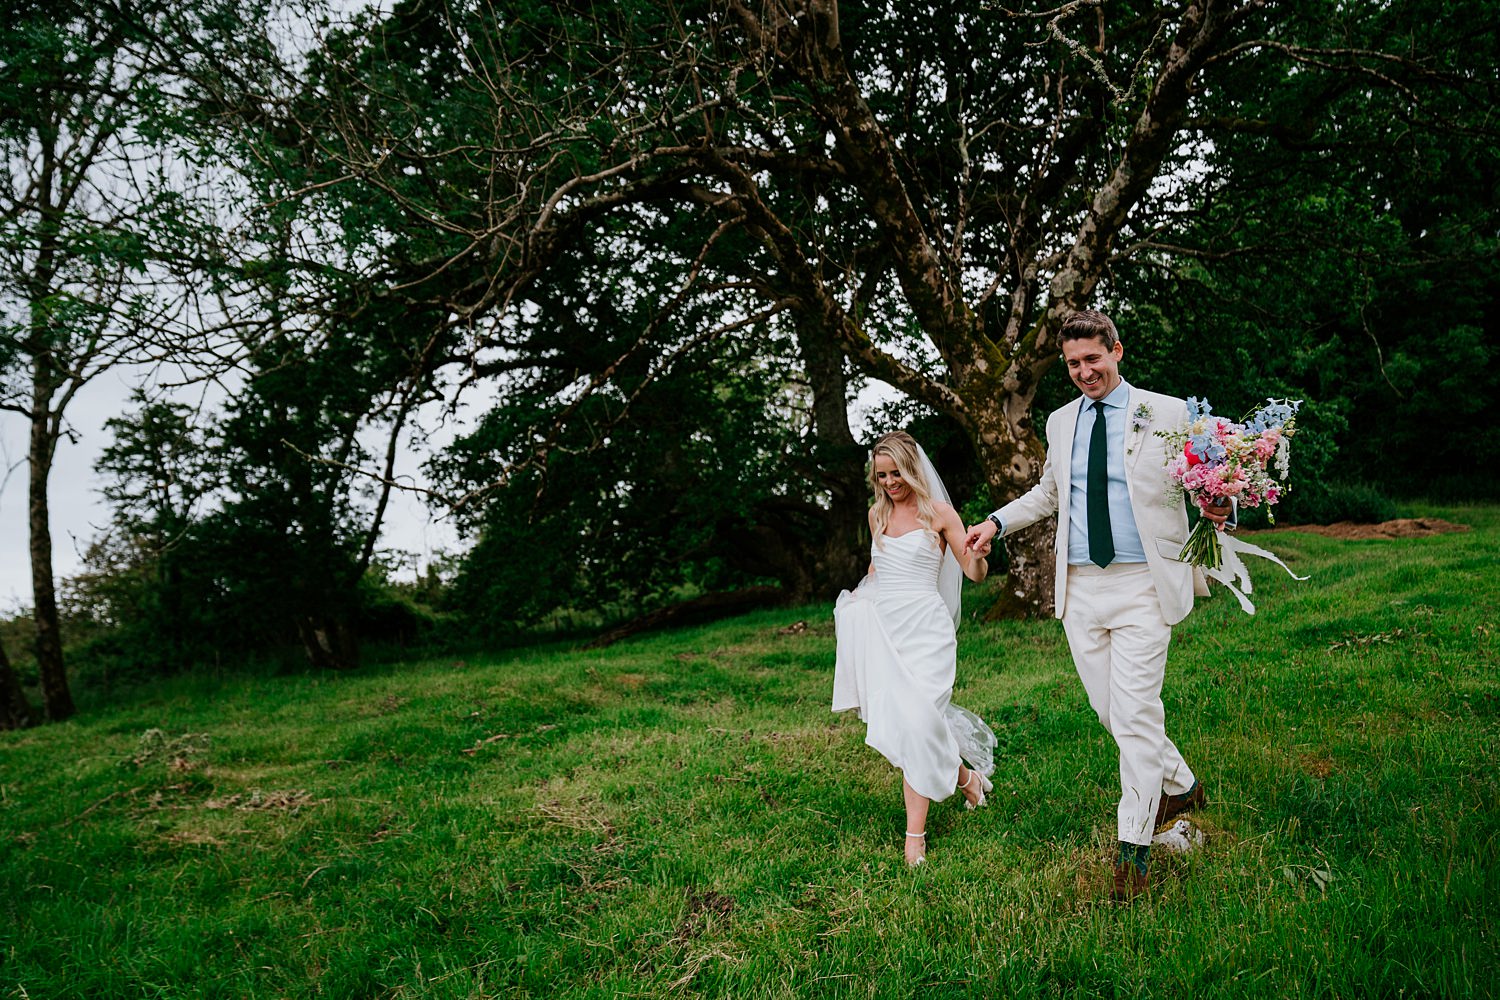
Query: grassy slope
681, 814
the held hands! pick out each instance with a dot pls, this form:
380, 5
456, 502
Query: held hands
973, 562
979, 537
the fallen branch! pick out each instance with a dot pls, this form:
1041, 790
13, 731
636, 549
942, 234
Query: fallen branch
709, 607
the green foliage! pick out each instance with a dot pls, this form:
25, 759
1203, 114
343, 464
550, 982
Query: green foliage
682, 814
17, 637
520, 570
647, 480
655, 423
1347, 258
400, 617
250, 537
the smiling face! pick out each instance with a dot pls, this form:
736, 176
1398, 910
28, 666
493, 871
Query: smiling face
888, 478
1094, 368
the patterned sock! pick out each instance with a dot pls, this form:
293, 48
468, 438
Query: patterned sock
1135, 854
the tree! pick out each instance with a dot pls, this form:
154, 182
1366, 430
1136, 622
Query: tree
929, 196
79, 200
379, 273
1348, 253
321, 352
148, 576
975, 222
297, 531
691, 458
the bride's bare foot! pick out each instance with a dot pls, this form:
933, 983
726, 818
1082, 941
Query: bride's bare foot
916, 849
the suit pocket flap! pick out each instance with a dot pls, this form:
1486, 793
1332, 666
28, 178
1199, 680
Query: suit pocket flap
1170, 548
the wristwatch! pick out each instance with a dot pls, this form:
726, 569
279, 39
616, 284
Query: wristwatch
999, 528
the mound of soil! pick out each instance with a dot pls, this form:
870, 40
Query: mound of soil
1402, 527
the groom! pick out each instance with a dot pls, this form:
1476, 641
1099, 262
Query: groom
1120, 586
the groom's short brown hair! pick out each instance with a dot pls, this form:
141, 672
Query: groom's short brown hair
1089, 323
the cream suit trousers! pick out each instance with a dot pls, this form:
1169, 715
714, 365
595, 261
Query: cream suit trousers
1119, 638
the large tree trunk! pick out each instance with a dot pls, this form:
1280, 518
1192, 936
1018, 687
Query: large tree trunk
1012, 456
16, 711
49, 651
814, 551
839, 555
991, 375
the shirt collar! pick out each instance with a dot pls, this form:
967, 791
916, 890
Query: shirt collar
1119, 396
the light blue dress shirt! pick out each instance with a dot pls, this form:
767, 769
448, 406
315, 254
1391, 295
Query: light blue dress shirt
1128, 547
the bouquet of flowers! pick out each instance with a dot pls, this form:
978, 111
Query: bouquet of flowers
1214, 459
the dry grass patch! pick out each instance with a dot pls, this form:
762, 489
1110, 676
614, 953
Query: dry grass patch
573, 804
256, 800
1316, 765
193, 838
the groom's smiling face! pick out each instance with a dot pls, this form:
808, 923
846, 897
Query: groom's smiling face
1094, 368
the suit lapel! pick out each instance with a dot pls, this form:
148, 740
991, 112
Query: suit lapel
1061, 448
1135, 432
1068, 421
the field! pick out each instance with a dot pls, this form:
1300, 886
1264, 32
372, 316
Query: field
681, 815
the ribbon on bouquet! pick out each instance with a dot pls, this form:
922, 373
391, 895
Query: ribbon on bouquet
1234, 574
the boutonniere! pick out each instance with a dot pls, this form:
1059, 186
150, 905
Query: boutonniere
1138, 421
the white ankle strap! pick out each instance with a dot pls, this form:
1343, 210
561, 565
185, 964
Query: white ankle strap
916, 834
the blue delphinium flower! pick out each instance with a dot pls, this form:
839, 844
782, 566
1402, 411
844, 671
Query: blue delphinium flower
1207, 447
1197, 408
1141, 417
1277, 412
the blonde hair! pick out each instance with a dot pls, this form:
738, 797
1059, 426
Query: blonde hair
901, 448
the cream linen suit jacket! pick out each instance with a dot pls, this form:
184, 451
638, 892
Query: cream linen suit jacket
1162, 524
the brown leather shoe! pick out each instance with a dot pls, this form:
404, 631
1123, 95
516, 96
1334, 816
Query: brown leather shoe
1172, 805
1129, 882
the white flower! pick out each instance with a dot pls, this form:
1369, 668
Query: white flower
1283, 456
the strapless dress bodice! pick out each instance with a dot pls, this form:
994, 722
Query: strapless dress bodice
907, 564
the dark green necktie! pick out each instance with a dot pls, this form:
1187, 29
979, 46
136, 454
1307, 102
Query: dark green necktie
1101, 538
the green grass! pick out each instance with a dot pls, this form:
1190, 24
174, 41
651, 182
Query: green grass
682, 815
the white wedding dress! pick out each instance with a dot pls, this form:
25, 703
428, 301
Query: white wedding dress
896, 658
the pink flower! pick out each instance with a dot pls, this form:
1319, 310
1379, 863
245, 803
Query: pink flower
1238, 464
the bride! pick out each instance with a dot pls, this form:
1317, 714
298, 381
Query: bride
897, 651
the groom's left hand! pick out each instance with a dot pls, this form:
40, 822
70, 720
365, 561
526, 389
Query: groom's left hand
1218, 515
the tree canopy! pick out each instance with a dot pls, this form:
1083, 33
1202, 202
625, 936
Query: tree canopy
655, 252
